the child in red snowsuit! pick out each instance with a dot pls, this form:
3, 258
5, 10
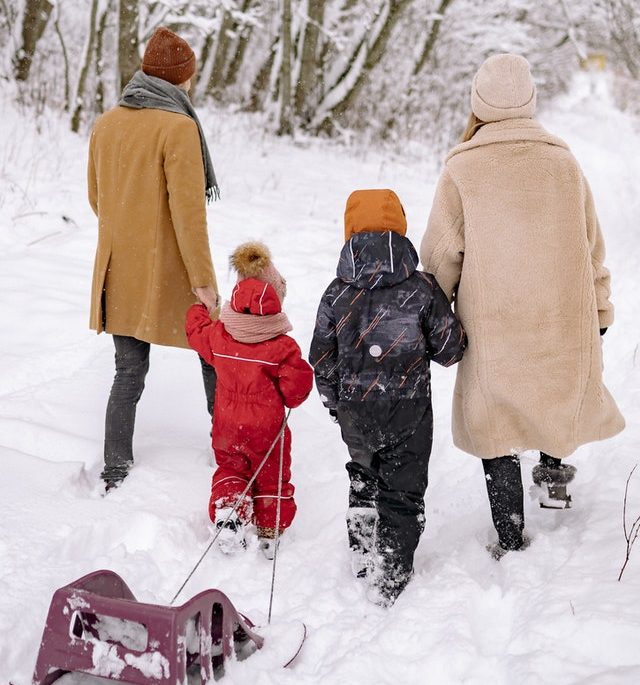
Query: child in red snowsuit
260, 371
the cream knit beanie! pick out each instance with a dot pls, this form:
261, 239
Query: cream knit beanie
503, 89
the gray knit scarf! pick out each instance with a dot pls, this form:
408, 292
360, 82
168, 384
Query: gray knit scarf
149, 92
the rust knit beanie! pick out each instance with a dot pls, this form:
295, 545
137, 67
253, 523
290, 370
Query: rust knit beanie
168, 57
374, 210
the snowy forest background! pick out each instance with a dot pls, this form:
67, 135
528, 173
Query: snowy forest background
303, 101
383, 70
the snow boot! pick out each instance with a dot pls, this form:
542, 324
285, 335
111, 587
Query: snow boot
110, 485
552, 482
267, 541
497, 551
230, 531
361, 526
385, 587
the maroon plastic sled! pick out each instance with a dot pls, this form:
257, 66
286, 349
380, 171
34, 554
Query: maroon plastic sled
96, 626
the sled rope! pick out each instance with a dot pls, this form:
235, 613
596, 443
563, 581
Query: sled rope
237, 504
277, 536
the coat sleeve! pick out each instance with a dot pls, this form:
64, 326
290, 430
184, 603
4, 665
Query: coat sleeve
295, 376
92, 177
198, 328
601, 276
442, 247
446, 339
324, 354
184, 172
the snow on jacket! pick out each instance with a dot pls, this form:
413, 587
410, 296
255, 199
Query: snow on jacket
513, 235
379, 324
255, 381
146, 185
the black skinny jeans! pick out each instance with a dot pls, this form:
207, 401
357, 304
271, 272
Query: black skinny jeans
132, 365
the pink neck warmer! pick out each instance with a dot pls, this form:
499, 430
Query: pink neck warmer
251, 328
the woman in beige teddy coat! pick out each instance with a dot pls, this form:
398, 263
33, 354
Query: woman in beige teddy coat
514, 239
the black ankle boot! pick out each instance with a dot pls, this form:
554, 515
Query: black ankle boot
553, 482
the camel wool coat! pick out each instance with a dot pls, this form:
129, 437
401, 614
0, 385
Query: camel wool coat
513, 237
147, 187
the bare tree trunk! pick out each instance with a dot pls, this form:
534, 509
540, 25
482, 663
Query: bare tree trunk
216, 77
128, 43
623, 18
286, 118
82, 80
102, 25
65, 57
261, 81
203, 60
425, 54
369, 51
431, 38
242, 43
34, 21
8, 15
310, 67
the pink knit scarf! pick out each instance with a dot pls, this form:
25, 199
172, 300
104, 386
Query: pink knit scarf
251, 328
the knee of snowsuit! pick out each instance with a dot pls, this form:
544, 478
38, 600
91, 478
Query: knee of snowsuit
260, 504
389, 444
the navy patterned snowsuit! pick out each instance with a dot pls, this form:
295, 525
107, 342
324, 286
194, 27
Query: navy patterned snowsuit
379, 324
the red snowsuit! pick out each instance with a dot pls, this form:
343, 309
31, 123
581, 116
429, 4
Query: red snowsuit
255, 382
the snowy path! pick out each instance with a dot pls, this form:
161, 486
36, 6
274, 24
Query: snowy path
552, 614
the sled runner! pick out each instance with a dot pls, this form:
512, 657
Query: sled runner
96, 626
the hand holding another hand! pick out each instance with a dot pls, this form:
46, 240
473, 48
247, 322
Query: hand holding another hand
208, 296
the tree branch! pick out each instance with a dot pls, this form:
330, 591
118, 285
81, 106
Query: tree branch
629, 535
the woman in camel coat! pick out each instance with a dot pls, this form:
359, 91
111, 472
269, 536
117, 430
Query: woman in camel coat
514, 238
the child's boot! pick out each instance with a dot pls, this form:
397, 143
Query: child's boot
267, 541
361, 526
230, 531
552, 477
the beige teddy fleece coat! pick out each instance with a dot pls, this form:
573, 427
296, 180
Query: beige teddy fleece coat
513, 236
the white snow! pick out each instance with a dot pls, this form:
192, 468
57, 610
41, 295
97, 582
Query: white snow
106, 661
130, 634
150, 664
554, 613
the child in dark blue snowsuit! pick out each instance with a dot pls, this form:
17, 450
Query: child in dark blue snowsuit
379, 324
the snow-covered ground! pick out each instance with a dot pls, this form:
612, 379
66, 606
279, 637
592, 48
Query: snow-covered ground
554, 613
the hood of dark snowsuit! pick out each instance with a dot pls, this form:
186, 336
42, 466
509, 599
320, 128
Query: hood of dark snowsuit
377, 210
376, 260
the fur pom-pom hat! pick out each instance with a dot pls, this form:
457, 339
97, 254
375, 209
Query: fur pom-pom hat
253, 260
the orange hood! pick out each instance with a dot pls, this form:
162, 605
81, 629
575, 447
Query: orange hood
374, 210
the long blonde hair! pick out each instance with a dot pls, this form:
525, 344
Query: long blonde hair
473, 126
